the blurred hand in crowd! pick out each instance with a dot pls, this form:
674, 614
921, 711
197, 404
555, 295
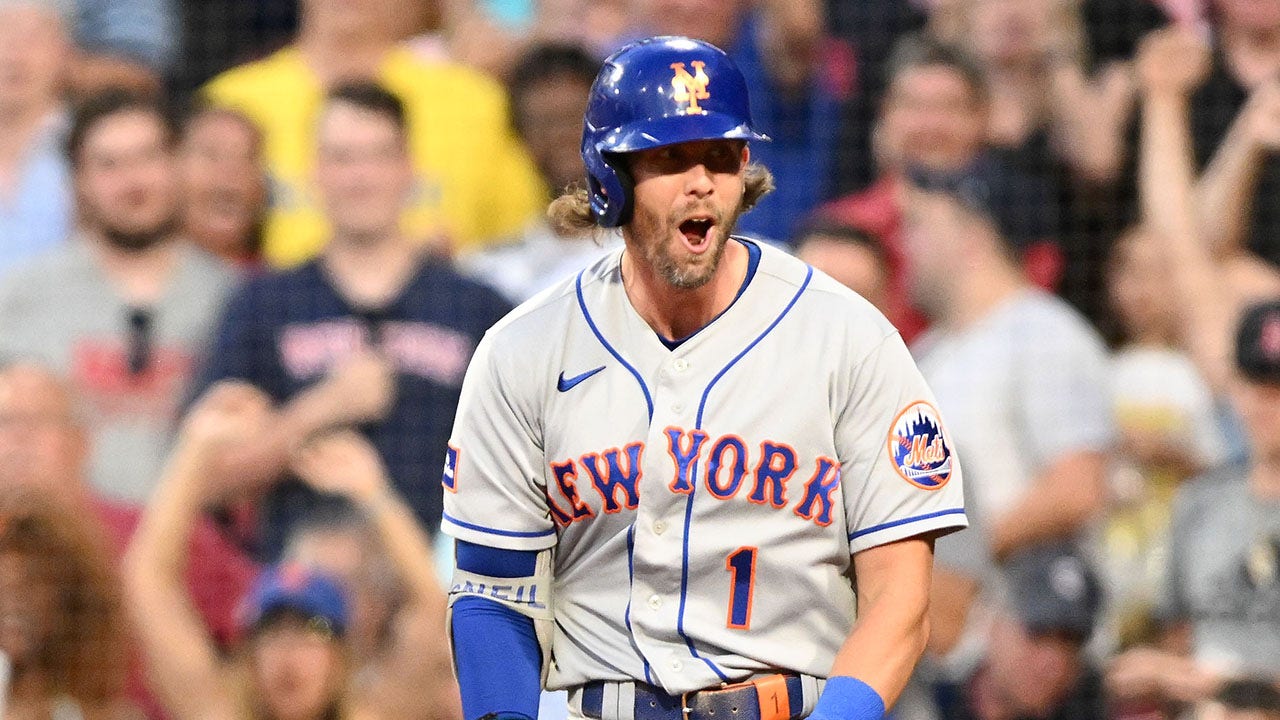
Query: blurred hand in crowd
360, 389
1147, 672
230, 413
343, 463
1174, 60
1261, 116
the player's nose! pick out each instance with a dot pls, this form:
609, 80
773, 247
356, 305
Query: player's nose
698, 180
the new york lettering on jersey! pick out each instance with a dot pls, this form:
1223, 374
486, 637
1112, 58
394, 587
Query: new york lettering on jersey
679, 487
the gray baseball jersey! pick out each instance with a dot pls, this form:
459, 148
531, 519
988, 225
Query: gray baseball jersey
703, 502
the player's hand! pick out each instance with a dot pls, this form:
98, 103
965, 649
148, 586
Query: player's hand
229, 413
360, 389
1172, 61
342, 462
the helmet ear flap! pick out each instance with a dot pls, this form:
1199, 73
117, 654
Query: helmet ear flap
610, 187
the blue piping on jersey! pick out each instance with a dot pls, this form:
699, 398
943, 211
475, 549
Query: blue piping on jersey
904, 521
582, 304
502, 533
626, 615
688, 506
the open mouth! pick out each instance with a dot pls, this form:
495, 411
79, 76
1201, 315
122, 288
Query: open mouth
697, 233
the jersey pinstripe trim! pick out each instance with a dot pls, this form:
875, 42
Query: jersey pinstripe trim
904, 521
495, 531
688, 507
586, 315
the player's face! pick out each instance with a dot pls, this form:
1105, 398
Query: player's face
223, 185
127, 179
932, 118
363, 171
687, 199
298, 669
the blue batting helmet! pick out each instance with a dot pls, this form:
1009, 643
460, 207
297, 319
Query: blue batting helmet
654, 92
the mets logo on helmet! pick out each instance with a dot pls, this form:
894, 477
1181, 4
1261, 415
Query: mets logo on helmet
690, 87
917, 447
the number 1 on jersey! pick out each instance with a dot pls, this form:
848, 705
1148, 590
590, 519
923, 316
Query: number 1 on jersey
741, 565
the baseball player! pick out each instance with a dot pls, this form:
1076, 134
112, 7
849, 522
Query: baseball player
699, 480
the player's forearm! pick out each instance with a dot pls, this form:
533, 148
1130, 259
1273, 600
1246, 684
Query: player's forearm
1063, 500
893, 621
887, 642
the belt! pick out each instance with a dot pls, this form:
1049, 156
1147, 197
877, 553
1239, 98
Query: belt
771, 697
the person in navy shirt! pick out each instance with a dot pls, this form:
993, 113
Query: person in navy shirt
376, 333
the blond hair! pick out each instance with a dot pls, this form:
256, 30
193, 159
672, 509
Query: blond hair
570, 214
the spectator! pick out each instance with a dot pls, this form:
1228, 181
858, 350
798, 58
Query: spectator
1233, 116
224, 193
126, 309
961, 569
1220, 604
1168, 431
776, 44
44, 445
1023, 377
549, 88
1034, 57
61, 635
850, 255
35, 184
382, 558
1035, 664
375, 332
1057, 123
123, 44
292, 663
934, 116
473, 183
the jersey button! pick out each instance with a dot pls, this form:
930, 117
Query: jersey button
680, 365
659, 527
655, 602
677, 407
677, 665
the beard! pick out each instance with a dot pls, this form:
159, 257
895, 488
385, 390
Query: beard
139, 239
669, 260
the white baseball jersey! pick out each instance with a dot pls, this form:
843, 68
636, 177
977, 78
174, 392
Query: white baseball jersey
703, 502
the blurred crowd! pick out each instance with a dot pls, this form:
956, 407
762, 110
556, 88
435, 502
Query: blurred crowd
248, 246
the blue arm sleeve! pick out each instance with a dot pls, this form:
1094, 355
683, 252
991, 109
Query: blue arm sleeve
495, 648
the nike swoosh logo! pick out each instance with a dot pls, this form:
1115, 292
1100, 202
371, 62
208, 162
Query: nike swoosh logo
565, 384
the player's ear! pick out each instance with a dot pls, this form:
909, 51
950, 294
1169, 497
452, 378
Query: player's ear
746, 154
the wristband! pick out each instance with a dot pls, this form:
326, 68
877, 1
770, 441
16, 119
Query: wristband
848, 698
